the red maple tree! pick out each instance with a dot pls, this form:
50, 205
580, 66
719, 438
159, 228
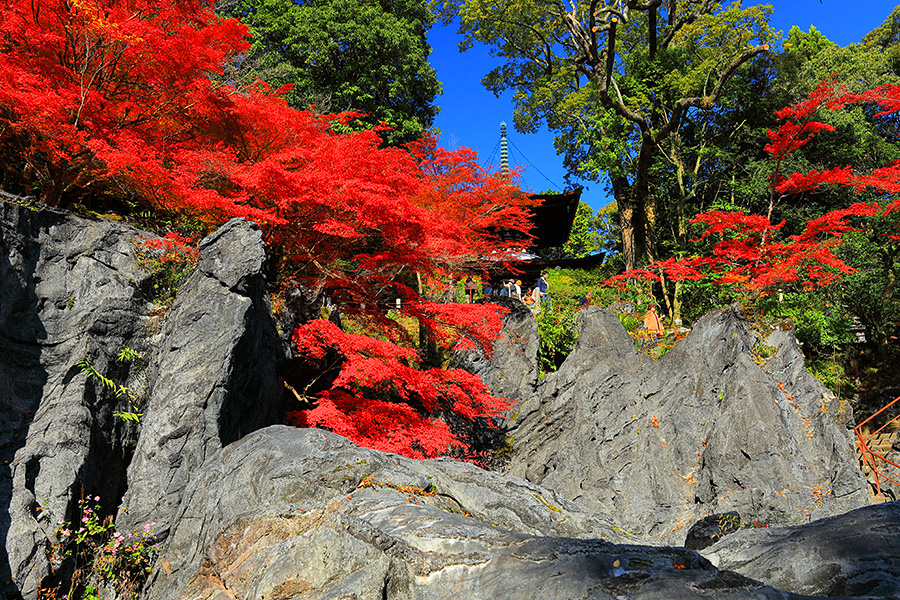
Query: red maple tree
107, 102
746, 249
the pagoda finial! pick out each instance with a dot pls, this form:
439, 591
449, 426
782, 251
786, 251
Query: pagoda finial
504, 151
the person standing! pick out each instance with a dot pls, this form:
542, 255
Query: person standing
585, 300
543, 285
535, 299
543, 288
518, 288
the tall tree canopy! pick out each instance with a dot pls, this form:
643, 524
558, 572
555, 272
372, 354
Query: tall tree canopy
369, 56
121, 101
615, 80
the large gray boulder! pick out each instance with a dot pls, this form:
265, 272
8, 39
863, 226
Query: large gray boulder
217, 374
69, 289
293, 513
659, 444
853, 554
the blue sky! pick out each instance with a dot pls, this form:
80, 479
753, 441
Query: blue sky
470, 115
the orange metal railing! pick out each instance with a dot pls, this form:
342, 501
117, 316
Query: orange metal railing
870, 457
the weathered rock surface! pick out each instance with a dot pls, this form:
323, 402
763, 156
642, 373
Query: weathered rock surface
659, 444
217, 379
854, 554
512, 371
281, 514
69, 289
619, 442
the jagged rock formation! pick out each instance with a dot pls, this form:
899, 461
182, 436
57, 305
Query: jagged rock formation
70, 288
217, 378
512, 371
280, 514
703, 430
854, 554
258, 511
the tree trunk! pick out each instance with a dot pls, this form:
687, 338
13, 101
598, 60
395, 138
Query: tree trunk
884, 344
622, 191
644, 237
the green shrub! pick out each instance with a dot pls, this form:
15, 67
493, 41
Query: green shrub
567, 286
558, 332
631, 323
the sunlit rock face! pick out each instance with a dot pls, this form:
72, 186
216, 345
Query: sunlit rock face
659, 444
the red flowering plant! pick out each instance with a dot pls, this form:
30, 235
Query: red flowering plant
169, 260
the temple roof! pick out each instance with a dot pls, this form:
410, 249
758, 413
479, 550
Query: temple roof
554, 217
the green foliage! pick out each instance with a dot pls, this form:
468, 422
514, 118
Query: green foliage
583, 240
169, 260
126, 354
805, 45
343, 55
88, 369
567, 286
671, 60
96, 554
636, 294
702, 296
870, 293
631, 323
558, 332
605, 225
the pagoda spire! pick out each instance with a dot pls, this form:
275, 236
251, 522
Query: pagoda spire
504, 151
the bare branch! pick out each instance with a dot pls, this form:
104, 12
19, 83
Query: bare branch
676, 22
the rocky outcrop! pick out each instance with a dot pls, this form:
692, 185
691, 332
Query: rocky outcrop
217, 374
291, 513
659, 444
854, 554
619, 450
511, 371
70, 289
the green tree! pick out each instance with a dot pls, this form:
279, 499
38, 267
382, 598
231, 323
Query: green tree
369, 56
615, 80
583, 238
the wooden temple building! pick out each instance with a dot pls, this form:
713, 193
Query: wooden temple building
553, 219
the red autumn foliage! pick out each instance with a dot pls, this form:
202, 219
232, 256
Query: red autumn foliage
122, 101
171, 248
404, 418
746, 250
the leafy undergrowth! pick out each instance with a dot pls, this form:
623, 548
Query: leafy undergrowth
558, 331
90, 554
650, 343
